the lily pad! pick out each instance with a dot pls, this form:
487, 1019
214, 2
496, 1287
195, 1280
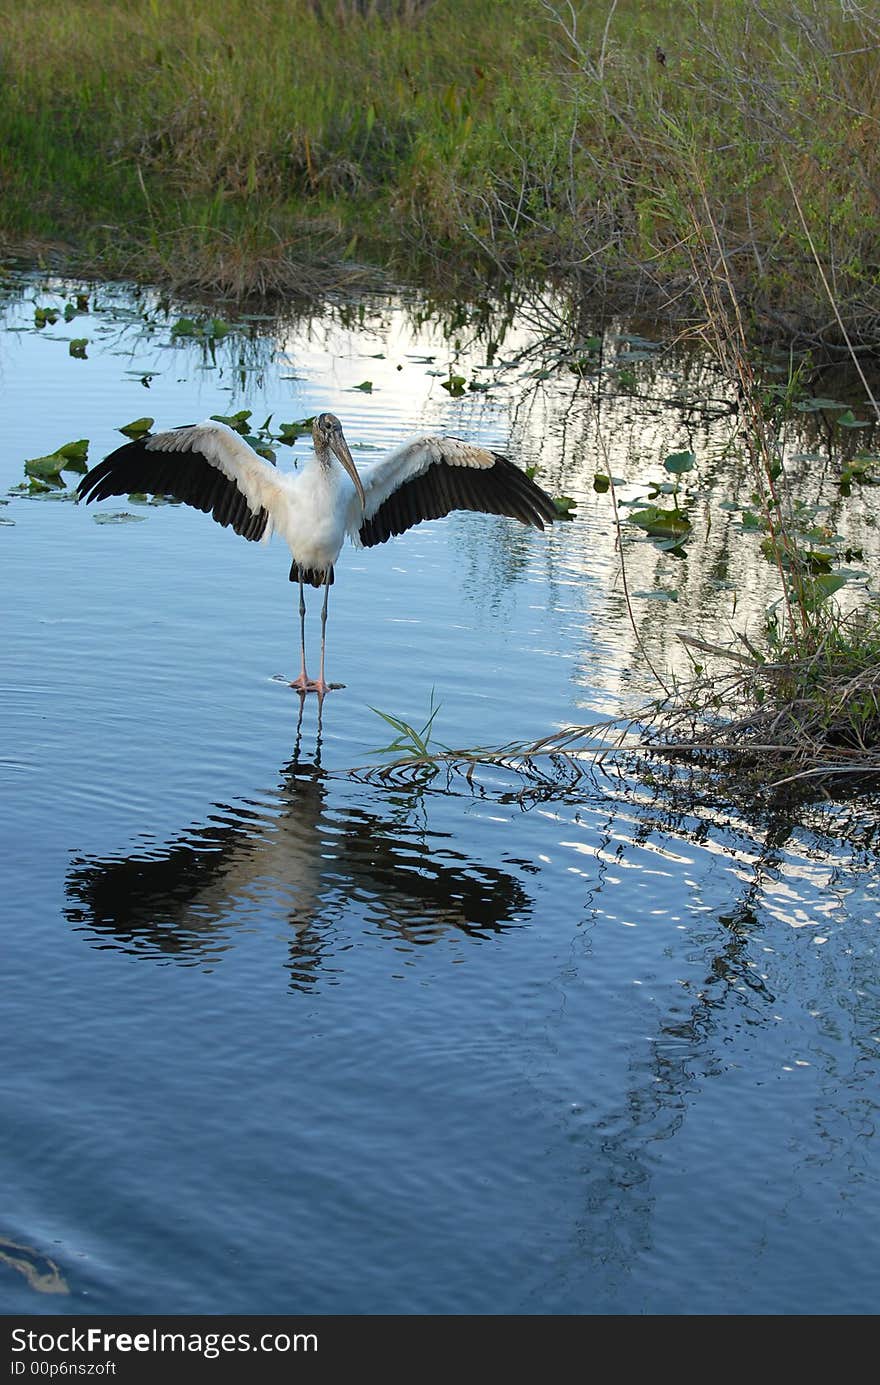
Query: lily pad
137, 427
212, 327
454, 384
71, 457
678, 462
118, 517
240, 421
77, 348
289, 432
34, 486
45, 468
75, 454
564, 505
662, 523
261, 447
816, 404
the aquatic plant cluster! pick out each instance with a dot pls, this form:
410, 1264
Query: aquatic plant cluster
280, 146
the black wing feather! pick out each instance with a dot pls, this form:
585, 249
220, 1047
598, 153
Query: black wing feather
185, 476
501, 489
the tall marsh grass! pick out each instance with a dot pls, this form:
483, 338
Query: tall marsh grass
245, 145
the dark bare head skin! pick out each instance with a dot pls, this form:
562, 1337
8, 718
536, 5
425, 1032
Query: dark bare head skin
328, 437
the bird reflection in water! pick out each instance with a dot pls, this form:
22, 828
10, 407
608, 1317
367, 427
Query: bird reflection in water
323, 867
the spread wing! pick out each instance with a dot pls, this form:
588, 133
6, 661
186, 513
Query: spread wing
206, 465
428, 477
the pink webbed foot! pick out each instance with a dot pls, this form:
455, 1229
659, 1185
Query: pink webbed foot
305, 685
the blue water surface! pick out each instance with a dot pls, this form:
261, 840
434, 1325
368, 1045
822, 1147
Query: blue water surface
282, 1039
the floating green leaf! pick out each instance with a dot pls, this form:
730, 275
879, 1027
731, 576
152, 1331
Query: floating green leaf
144, 498
260, 446
365, 386
75, 454
454, 384
601, 482
70, 457
678, 462
289, 432
849, 420
45, 468
240, 421
815, 405
118, 517
564, 505
76, 451
78, 346
662, 523
35, 486
137, 427
213, 328
864, 469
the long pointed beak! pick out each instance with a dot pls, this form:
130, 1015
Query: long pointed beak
340, 448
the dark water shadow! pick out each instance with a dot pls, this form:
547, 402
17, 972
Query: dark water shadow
306, 860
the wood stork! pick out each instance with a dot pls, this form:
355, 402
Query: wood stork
211, 467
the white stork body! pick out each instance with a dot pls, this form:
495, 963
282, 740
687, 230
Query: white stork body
315, 508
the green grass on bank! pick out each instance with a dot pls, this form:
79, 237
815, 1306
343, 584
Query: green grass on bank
248, 146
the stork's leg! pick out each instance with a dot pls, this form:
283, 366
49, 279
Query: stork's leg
305, 684
323, 687
302, 683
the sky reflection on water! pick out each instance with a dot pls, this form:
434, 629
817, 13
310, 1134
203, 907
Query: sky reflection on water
279, 1040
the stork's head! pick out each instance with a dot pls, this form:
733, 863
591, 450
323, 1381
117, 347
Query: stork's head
328, 437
